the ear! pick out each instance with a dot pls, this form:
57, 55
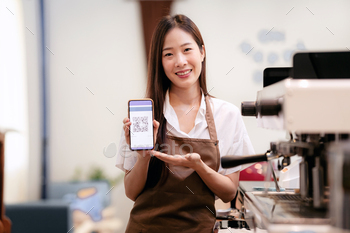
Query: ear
203, 53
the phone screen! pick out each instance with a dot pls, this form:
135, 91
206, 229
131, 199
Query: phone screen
141, 129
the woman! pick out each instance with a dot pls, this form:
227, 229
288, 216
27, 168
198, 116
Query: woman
174, 186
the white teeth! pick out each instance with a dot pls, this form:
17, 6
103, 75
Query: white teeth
186, 72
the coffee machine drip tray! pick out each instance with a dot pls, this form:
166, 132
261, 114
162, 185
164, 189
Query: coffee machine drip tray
284, 211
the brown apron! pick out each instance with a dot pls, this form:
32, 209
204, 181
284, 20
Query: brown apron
183, 203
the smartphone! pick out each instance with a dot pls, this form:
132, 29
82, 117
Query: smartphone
141, 129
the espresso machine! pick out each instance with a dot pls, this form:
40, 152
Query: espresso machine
311, 102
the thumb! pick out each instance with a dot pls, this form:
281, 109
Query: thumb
156, 125
155, 129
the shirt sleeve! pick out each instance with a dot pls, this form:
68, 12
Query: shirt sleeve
241, 145
126, 158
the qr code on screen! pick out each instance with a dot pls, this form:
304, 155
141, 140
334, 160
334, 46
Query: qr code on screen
140, 124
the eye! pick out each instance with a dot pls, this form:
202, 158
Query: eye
188, 49
167, 55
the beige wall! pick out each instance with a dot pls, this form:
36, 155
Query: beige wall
98, 64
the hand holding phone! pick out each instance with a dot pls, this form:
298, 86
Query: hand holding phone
141, 130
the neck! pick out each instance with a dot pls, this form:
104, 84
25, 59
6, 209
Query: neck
191, 96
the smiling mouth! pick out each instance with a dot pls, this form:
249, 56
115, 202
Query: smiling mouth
183, 73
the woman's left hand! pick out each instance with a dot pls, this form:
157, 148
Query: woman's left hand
191, 160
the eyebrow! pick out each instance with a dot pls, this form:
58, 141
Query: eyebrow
180, 46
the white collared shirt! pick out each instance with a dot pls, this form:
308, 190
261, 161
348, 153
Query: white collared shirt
230, 129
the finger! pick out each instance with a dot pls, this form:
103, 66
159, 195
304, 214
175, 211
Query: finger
155, 129
126, 119
156, 124
157, 154
176, 159
154, 152
151, 152
164, 159
126, 126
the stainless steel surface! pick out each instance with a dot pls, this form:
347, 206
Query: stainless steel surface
339, 170
287, 209
304, 178
318, 185
274, 177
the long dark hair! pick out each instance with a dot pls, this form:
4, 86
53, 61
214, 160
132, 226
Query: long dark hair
158, 84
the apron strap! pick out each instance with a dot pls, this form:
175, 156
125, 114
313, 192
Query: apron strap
210, 119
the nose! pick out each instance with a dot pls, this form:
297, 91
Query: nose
181, 60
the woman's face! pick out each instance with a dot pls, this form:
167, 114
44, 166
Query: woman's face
181, 58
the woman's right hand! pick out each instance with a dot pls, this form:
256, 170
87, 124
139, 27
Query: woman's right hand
126, 127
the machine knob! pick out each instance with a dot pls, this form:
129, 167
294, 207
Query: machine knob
263, 107
248, 108
269, 107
